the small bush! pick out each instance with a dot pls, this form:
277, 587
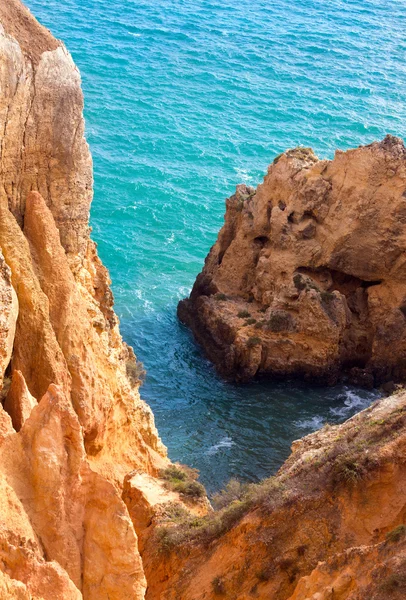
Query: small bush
266, 573
259, 325
299, 282
183, 481
263, 309
220, 297
173, 473
281, 320
250, 321
218, 586
243, 314
233, 491
346, 469
135, 372
303, 282
301, 550
253, 341
192, 489
174, 513
396, 534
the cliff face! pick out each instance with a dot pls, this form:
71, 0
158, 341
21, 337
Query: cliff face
90, 506
72, 423
307, 276
328, 526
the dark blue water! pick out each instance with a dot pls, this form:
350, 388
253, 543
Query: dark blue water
185, 99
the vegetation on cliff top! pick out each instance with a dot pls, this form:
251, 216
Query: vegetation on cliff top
346, 456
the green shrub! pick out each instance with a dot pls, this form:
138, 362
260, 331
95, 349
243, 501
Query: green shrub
259, 325
327, 297
253, 341
266, 573
173, 473
395, 582
220, 297
299, 282
234, 490
174, 513
281, 320
183, 480
347, 469
396, 534
303, 282
250, 321
192, 489
243, 314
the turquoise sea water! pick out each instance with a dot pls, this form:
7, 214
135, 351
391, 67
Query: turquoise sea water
185, 99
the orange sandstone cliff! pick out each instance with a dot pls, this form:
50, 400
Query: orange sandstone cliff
90, 507
308, 274
72, 423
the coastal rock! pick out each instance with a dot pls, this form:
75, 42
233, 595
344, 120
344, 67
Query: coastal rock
77, 515
307, 276
331, 520
72, 423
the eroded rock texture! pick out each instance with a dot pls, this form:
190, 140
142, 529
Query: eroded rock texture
329, 526
308, 276
316, 254
72, 423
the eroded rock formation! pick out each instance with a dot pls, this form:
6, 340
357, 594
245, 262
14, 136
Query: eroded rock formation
307, 276
72, 423
85, 511
329, 526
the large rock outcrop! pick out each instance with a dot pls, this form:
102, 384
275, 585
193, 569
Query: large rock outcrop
308, 274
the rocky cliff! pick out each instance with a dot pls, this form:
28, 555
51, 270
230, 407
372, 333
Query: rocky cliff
72, 420
90, 507
307, 276
329, 526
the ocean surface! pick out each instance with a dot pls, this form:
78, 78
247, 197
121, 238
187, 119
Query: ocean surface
185, 99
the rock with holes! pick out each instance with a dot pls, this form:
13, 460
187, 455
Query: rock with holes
308, 274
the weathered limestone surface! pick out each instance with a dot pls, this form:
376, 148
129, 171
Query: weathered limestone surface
329, 526
307, 276
72, 423
316, 253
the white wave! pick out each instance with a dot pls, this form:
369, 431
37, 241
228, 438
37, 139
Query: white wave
134, 34
312, 424
352, 404
170, 239
226, 442
243, 175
